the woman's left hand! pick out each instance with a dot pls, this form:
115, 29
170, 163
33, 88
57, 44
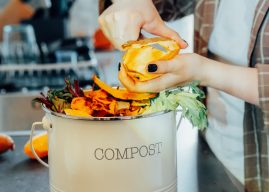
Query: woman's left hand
181, 69
241, 82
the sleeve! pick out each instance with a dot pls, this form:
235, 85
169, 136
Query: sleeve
174, 9
168, 9
263, 86
103, 4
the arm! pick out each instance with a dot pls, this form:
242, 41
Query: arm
238, 81
241, 82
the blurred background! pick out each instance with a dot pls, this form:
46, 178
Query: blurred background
41, 43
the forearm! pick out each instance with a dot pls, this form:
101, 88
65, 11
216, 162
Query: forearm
241, 82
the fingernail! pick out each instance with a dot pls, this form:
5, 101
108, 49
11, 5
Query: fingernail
185, 42
152, 68
119, 66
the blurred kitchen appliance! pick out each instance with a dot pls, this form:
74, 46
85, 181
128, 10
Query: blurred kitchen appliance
16, 107
38, 4
48, 30
20, 82
25, 77
50, 19
26, 83
81, 45
73, 58
19, 45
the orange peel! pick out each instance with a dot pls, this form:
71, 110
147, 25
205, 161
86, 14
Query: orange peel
76, 112
143, 52
122, 93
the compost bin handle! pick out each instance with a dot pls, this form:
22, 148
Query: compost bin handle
180, 119
31, 143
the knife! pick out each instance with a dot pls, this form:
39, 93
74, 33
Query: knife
159, 47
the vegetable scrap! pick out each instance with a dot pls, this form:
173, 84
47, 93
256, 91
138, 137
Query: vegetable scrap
106, 101
187, 99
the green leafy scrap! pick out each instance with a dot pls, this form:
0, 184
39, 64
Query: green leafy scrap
188, 98
58, 100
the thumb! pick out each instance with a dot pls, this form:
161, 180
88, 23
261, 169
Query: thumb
158, 27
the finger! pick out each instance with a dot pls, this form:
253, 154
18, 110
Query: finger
118, 41
130, 84
158, 27
156, 85
165, 31
113, 31
104, 27
117, 27
162, 67
123, 31
125, 80
159, 84
107, 24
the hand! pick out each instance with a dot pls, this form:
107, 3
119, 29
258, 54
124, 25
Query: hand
183, 68
124, 19
241, 82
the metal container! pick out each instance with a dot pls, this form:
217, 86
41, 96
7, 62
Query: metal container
115, 154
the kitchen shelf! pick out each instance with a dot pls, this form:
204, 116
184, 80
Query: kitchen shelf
47, 67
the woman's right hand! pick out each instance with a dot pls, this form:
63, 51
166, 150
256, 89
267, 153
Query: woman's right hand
124, 19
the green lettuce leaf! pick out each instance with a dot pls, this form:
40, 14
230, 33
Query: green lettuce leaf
187, 99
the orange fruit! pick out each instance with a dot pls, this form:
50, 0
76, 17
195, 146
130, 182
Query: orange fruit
40, 143
6, 143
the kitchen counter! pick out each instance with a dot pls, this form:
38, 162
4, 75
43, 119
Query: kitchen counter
18, 173
198, 168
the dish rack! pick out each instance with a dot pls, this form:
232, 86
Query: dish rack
18, 77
